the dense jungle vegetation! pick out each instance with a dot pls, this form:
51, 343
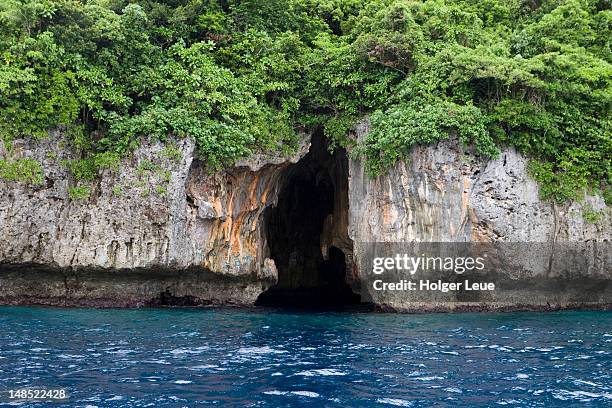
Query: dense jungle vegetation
242, 76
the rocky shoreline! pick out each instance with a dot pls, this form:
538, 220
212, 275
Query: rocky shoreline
161, 231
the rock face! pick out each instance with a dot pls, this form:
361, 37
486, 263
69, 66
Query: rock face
157, 230
162, 230
445, 193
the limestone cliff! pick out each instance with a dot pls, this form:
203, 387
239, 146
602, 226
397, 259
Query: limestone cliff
446, 193
164, 230
156, 230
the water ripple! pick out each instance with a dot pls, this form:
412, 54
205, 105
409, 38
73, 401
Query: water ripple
140, 358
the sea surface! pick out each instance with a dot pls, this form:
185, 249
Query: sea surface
268, 357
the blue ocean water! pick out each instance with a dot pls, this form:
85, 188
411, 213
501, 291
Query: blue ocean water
254, 357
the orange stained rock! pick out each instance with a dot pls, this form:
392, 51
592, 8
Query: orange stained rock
270, 182
235, 242
228, 222
386, 208
217, 206
253, 201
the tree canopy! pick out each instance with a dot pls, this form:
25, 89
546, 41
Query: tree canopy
242, 76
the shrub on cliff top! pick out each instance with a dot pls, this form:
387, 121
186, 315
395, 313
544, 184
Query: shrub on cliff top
244, 76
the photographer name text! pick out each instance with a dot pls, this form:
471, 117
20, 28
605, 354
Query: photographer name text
427, 285
410, 265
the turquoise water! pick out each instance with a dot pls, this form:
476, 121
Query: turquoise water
237, 357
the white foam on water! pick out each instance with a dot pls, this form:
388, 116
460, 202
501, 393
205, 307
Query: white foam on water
203, 367
309, 394
321, 371
429, 378
121, 352
522, 376
565, 395
592, 384
260, 350
157, 361
581, 357
275, 392
70, 356
500, 348
197, 350
183, 382
394, 401
508, 402
547, 349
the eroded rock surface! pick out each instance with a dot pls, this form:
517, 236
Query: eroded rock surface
163, 230
446, 193
155, 224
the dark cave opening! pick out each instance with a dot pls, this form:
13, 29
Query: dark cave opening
306, 222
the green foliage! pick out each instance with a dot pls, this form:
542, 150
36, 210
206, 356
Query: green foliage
161, 190
172, 153
87, 169
559, 186
107, 160
607, 195
146, 166
243, 76
397, 129
83, 169
165, 175
80, 192
28, 171
590, 215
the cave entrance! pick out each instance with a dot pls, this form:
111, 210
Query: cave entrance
307, 233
